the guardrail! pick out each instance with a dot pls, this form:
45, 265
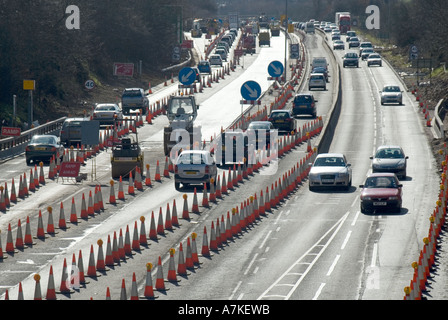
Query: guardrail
13, 146
439, 116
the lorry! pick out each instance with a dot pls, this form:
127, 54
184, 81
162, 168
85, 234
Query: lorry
126, 152
309, 27
343, 21
249, 44
275, 28
181, 112
264, 38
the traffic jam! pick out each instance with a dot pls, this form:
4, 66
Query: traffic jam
147, 173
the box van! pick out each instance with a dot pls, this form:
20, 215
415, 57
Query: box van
319, 62
309, 27
71, 131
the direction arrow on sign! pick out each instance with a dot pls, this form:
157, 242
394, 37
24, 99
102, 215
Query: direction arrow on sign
187, 76
275, 69
250, 90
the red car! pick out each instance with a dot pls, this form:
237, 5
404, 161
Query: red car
381, 191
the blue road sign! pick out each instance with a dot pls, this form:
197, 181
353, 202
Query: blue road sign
187, 76
251, 90
275, 69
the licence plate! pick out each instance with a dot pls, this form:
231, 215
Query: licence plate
381, 203
40, 148
279, 121
302, 107
327, 180
125, 159
190, 172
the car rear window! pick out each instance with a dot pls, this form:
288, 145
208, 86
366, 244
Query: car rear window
132, 93
43, 140
302, 99
279, 115
192, 158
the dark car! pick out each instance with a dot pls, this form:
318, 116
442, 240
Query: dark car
381, 191
304, 104
204, 67
261, 132
351, 59
232, 147
198, 74
43, 148
322, 70
282, 120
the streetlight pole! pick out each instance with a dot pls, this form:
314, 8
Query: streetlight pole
286, 38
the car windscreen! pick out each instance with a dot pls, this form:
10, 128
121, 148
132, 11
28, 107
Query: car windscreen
380, 182
43, 140
391, 89
181, 106
389, 154
329, 162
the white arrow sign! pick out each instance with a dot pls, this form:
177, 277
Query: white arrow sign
252, 93
186, 77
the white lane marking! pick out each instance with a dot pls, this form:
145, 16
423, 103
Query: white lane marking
346, 240
318, 292
333, 265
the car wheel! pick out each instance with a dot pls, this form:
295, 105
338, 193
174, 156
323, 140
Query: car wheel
177, 185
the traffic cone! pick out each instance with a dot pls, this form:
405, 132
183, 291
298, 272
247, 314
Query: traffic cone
149, 290
9, 242
160, 228
174, 219
75, 275
90, 207
148, 182
51, 290
229, 233
28, 238
194, 249
100, 198
157, 175
143, 241
166, 172
115, 253
20, 294
40, 227
41, 174
36, 177
185, 211
189, 264
84, 213
108, 297
160, 282
135, 239
134, 291
212, 197
127, 243
19, 239
91, 269
25, 185
120, 190
172, 277
213, 241
100, 263
138, 179
64, 279
37, 289
50, 224
21, 189
218, 188
224, 184
205, 197
82, 279
62, 223
131, 190
152, 229
13, 197
181, 266
168, 223
31, 186
195, 207
73, 216
123, 295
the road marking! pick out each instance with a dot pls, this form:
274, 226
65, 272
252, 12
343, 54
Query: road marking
333, 265
374, 254
346, 240
318, 292
356, 218
250, 264
265, 239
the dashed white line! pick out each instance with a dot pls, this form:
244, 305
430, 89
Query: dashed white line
346, 240
333, 265
318, 292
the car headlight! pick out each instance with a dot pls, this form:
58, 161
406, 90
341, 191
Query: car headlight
366, 198
393, 198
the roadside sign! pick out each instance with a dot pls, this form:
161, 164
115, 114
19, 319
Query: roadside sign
11, 132
251, 90
275, 69
123, 69
187, 76
89, 84
29, 84
294, 51
69, 169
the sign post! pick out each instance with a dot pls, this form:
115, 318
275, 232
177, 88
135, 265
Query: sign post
30, 86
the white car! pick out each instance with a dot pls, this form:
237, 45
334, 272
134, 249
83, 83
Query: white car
194, 167
374, 59
330, 170
215, 60
317, 80
107, 113
391, 94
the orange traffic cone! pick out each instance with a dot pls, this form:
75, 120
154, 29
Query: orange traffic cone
149, 290
134, 291
185, 212
153, 230
172, 277
195, 207
157, 176
160, 282
73, 216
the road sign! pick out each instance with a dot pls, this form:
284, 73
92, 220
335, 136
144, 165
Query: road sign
123, 69
251, 90
275, 69
11, 131
187, 76
294, 51
69, 169
89, 84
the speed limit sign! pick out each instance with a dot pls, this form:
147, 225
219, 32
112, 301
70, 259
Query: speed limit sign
89, 84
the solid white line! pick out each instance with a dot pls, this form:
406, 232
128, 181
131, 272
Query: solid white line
333, 265
318, 292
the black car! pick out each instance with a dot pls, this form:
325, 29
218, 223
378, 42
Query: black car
282, 120
260, 131
304, 103
43, 148
351, 59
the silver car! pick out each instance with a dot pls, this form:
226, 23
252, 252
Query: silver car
389, 158
330, 170
391, 94
107, 113
194, 167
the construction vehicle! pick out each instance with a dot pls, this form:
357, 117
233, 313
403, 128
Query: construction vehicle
275, 28
196, 31
181, 112
264, 38
126, 152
